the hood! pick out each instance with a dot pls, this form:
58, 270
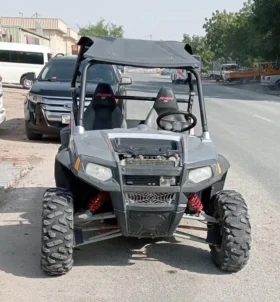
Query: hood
61, 89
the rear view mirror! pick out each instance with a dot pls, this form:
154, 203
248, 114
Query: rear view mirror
126, 81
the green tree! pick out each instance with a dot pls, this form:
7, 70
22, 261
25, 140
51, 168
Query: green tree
200, 47
233, 36
219, 29
102, 29
266, 20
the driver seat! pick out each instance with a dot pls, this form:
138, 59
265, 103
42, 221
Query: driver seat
165, 101
103, 112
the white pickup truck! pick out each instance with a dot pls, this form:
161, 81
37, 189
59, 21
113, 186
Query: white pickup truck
271, 81
2, 109
181, 76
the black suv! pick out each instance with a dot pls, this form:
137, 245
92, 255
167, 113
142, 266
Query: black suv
48, 104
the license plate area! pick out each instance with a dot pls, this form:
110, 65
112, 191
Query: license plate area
65, 119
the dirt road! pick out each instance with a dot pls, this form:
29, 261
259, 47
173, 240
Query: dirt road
15, 149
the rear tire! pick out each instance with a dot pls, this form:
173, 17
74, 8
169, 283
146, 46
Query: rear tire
277, 86
57, 232
234, 234
31, 135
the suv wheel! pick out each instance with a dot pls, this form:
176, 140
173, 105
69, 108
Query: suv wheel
26, 84
31, 135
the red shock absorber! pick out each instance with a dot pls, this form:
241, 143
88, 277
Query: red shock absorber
97, 201
194, 202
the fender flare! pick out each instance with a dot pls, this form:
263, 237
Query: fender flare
224, 163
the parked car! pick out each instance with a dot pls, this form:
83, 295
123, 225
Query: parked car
2, 109
48, 104
165, 72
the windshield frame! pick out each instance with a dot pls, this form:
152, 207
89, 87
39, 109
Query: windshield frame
67, 61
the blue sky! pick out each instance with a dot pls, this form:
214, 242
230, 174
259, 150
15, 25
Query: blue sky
163, 19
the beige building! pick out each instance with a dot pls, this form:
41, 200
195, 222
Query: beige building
60, 35
17, 34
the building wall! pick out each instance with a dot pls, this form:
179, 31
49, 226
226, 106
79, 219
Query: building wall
58, 42
19, 35
61, 37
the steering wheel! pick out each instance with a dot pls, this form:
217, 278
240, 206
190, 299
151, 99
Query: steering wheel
177, 124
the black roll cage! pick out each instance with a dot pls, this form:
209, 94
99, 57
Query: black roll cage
78, 111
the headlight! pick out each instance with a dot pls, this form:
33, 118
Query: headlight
200, 174
100, 172
34, 98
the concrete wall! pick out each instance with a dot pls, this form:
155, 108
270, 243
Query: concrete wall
61, 37
18, 35
59, 43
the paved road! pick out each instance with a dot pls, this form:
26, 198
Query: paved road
244, 127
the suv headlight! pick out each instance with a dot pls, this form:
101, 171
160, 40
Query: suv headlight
200, 174
34, 98
100, 172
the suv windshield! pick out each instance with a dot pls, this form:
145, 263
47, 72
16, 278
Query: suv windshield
62, 70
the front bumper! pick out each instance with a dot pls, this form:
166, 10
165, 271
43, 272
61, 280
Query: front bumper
267, 84
40, 121
148, 211
2, 115
151, 220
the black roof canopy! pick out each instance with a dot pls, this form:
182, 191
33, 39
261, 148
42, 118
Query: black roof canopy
138, 53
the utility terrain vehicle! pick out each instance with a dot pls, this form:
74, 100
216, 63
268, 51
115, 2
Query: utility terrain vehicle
117, 177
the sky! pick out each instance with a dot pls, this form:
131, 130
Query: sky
162, 19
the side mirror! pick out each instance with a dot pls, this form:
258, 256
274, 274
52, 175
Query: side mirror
126, 81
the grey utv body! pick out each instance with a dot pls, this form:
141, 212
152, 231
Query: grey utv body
161, 213
147, 176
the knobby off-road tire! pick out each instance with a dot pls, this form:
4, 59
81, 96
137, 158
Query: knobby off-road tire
57, 232
233, 253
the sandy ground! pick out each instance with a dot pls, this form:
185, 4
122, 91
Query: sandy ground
13, 142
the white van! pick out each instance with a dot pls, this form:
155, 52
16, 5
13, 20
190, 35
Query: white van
16, 59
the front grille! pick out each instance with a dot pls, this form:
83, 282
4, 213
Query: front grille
55, 107
135, 162
132, 180
149, 198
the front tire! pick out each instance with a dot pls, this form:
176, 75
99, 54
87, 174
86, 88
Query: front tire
31, 135
57, 232
26, 84
234, 231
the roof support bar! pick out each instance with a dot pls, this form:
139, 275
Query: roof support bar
200, 100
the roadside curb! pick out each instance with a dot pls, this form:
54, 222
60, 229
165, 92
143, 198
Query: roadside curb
11, 170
